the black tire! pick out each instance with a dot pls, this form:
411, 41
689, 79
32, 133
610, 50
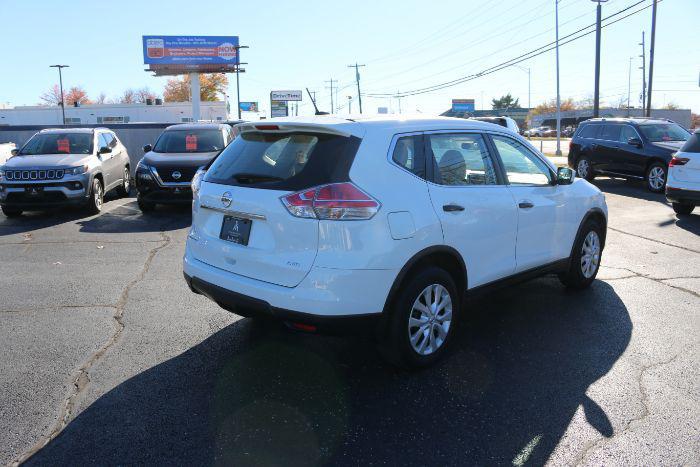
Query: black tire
144, 205
579, 276
683, 209
653, 183
96, 198
396, 344
584, 169
11, 212
124, 189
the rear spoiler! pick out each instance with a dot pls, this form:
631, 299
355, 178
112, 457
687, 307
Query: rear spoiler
282, 127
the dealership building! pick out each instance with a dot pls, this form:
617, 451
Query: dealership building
155, 111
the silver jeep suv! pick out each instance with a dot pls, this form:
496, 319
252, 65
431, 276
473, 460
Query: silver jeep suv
59, 167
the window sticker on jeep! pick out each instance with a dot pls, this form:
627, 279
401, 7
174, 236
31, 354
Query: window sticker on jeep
191, 142
63, 145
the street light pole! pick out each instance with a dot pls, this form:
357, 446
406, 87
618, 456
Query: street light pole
60, 80
238, 83
596, 92
556, 16
651, 58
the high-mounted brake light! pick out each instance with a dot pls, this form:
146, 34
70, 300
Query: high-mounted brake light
335, 201
267, 127
678, 161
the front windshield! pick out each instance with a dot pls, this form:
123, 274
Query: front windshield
190, 141
58, 143
660, 132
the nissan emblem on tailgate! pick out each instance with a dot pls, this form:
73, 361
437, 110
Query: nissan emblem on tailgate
226, 199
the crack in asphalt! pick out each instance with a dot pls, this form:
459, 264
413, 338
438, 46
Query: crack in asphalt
58, 307
82, 377
654, 240
68, 242
658, 280
646, 411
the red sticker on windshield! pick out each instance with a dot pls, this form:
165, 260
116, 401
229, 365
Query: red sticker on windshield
191, 143
63, 145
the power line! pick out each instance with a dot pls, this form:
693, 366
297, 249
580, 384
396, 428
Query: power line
521, 58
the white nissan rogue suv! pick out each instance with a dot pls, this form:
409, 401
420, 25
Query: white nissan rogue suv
391, 223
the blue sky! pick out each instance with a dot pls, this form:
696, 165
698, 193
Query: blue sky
405, 44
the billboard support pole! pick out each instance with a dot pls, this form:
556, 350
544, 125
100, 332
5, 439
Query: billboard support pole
194, 93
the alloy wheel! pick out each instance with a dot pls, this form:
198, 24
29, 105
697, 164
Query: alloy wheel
430, 319
590, 254
98, 195
127, 180
582, 168
657, 177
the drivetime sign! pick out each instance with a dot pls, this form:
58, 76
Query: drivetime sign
190, 50
286, 95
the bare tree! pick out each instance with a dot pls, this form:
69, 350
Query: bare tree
143, 94
128, 97
101, 99
52, 96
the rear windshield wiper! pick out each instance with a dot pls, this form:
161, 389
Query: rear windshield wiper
254, 178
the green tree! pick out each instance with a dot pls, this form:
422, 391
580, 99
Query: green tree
505, 102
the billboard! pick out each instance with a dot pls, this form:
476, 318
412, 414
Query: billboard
285, 95
249, 106
278, 109
190, 50
463, 105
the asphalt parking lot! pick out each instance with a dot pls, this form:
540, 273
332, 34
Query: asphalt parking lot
107, 358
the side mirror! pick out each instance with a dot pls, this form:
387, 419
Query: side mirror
14, 152
565, 176
636, 142
104, 150
147, 148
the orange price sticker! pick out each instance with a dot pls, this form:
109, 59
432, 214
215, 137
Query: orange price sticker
191, 143
63, 145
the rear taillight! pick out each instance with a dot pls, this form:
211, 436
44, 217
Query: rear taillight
678, 161
335, 201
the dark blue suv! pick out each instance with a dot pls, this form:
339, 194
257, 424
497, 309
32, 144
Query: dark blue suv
626, 147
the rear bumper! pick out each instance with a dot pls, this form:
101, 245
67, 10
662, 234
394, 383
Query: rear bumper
250, 307
683, 196
325, 297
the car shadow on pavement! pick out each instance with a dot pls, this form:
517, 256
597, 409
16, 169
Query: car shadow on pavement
35, 220
253, 394
129, 219
629, 188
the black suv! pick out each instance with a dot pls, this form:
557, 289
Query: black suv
626, 147
165, 173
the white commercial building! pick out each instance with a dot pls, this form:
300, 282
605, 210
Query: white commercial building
168, 112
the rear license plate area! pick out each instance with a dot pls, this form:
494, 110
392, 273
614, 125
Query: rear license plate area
235, 230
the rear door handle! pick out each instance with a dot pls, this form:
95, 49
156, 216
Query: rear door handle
452, 208
526, 205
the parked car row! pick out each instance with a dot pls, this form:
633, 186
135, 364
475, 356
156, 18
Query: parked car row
77, 166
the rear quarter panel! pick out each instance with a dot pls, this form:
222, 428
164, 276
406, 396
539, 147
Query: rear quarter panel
370, 244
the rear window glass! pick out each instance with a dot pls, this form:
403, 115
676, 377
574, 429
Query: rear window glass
611, 132
284, 161
58, 143
190, 141
589, 131
693, 144
659, 132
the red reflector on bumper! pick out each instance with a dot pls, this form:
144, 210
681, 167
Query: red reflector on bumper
303, 327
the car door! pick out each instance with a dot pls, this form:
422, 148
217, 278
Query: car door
475, 207
632, 157
109, 171
608, 148
541, 206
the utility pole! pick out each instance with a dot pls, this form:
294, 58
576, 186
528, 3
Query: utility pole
596, 92
357, 79
651, 56
556, 16
349, 105
60, 80
332, 81
629, 86
644, 76
398, 97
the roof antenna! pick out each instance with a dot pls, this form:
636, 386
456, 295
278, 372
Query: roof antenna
318, 112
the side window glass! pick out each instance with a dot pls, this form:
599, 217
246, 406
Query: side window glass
461, 159
522, 166
626, 133
590, 131
102, 141
611, 132
409, 154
